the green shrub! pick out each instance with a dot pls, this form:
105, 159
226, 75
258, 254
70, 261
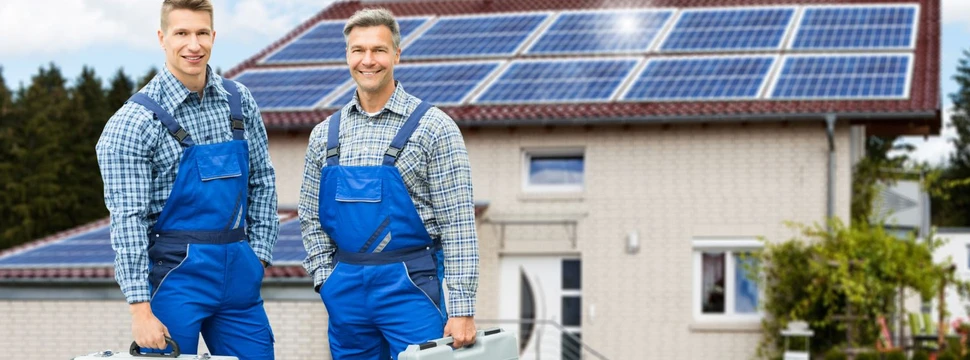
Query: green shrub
895, 355
867, 356
948, 355
921, 355
835, 354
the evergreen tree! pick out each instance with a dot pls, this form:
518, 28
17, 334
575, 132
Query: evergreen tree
88, 113
36, 197
121, 89
6, 162
951, 205
148, 77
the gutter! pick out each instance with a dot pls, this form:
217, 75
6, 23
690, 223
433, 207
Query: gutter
830, 198
668, 119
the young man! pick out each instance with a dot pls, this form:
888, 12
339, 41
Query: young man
191, 190
386, 209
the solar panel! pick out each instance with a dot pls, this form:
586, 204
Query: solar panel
92, 248
844, 77
439, 83
538, 81
289, 248
857, 27
729, 29
293, 89
599, 32
474, 36
701, 78
325, 43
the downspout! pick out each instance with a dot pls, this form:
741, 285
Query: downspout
830, 199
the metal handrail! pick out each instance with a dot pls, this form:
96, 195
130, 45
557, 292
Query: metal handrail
546, 322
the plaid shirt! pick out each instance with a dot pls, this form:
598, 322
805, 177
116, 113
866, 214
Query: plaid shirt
436, 171
139, 160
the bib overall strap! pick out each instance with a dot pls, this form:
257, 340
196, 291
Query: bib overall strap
235, 109
173, 126
405, 133
333, 138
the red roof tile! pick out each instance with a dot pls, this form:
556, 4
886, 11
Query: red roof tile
922, 108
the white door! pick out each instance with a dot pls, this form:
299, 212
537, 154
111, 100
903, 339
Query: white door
540, 292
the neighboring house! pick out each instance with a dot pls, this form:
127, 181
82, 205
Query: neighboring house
623, 156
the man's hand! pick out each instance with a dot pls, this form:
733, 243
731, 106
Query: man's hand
462, 329
145, 327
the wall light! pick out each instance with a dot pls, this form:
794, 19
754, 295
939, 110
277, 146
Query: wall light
632, 242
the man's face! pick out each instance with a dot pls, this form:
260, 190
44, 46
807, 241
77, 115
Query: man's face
371, 56
187, 43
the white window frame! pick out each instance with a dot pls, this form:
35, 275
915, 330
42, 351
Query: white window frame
528, 154
729, 247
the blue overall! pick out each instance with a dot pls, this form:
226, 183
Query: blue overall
204, 276
385, 290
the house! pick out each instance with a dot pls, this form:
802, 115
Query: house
624, 154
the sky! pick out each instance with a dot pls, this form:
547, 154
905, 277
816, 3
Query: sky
112, 34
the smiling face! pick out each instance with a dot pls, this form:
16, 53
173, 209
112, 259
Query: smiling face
187, 42
371, 55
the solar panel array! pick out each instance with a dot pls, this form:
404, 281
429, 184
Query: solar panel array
474, 36
558, 81
439, 84
293, 88
729, 29
844, 77
701, 78
857, 27
603, 32
325, 43
93, 249
737, 53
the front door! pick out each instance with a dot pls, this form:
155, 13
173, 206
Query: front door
544, 294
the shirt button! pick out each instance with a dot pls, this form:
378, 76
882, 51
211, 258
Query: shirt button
366, 149
159, 262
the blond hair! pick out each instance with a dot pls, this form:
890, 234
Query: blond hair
193, 5
374, 17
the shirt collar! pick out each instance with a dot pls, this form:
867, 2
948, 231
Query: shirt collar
397, 103
174, 92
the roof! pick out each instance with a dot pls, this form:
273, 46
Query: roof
97, 269
93, 268
919, 114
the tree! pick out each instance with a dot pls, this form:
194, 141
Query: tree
819, 275
36, 197
88, 111
7, 121
876, 168
121, 89
952, 200
147, 77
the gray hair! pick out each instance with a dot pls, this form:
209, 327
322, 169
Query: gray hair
374, 17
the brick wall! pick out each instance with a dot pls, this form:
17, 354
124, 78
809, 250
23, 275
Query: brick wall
63, 329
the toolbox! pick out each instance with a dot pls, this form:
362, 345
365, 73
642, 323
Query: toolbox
134, 352
491, 344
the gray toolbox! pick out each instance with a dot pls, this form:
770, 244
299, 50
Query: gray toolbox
491, 344
134, 352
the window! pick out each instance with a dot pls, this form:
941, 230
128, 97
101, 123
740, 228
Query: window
553, 170
722, 289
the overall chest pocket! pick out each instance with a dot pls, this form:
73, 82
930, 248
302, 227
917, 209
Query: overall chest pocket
218, 167
359, 189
